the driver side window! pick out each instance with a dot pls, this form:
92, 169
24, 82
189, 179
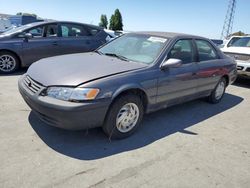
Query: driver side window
36, 32
183, 50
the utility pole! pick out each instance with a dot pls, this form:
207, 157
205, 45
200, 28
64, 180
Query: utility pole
228, 23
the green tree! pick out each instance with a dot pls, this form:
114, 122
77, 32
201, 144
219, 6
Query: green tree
111, 22
116, 21
103, 21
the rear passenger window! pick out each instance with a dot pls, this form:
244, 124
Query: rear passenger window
73, 30
93, 31
205, 50
183, 50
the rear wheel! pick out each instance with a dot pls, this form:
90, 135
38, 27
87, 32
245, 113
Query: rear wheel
219, 91
8, 62
124, 117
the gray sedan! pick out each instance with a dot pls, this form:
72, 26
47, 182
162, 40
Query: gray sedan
24, 45
116, 85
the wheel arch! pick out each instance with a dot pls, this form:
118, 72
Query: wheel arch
13, 52
226, 78
132, 89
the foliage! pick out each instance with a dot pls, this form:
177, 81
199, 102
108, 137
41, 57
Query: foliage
116, 21
103, 21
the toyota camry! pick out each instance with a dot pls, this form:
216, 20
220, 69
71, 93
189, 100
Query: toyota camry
135, 74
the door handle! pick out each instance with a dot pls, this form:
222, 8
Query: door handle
55, 43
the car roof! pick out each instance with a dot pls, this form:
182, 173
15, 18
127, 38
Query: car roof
237, 36
167, 34
56, 22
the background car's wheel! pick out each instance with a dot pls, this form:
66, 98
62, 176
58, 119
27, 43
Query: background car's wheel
8, 62
124, 116
219, 91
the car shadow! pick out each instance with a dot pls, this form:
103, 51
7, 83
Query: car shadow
93, 144
242, 82
19, 72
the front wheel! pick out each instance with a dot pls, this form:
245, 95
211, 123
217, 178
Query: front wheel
9, 63
219, 91
124, 117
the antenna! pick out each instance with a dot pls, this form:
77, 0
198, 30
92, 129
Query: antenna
228, 23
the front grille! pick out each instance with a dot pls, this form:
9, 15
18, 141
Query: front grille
248, 69
32, 85
236, 56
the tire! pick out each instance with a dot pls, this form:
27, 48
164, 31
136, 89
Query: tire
9, 62
218, 92
130, 110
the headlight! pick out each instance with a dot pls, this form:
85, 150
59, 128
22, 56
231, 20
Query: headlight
72, 94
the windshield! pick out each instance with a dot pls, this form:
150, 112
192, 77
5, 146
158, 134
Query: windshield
16, 29
135, 47
241, 42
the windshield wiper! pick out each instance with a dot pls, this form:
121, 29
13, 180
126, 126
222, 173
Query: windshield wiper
117, 56
97, 51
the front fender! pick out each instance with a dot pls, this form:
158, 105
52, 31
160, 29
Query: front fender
127, 87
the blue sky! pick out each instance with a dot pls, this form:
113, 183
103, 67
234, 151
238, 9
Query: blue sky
201, 17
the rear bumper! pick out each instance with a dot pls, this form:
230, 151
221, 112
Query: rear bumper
63, 114
243, 68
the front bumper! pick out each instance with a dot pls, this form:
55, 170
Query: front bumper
64, 114
243, 68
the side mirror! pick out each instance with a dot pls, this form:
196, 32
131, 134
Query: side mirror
28, 36
171, 63
25, 36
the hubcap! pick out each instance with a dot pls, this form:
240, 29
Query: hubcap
219, 90
127, 117
7, 63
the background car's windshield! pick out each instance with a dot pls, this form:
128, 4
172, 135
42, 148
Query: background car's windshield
139, 48
241, 42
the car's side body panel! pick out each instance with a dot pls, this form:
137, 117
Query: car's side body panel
175, 83
143, 79
36, 48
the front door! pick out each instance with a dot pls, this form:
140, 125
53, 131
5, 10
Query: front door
177, 84
44, 43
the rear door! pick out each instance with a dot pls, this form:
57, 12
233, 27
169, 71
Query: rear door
43, 43
75, 38
210, 66
178, 84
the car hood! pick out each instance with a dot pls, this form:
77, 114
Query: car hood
76, 69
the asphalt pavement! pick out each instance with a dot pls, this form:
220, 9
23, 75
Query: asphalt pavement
195, 144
